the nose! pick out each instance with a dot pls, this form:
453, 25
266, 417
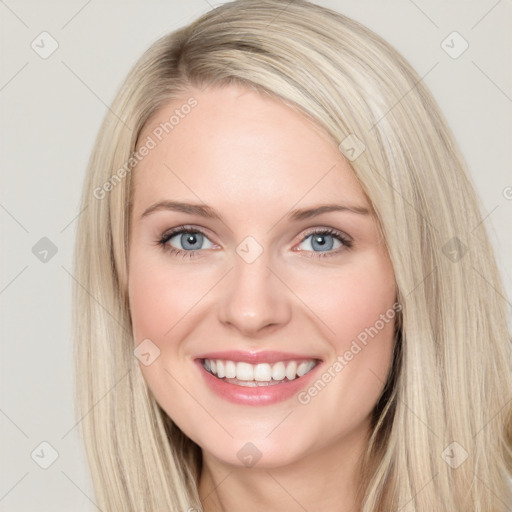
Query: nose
254, 300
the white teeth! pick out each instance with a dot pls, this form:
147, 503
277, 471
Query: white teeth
291, 370
304, 367
220, 369
278, 371
252, 374
230, 369
244, 371
262, 372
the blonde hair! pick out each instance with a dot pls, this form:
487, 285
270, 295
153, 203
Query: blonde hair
451, 378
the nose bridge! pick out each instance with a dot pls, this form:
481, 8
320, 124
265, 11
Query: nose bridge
253, 297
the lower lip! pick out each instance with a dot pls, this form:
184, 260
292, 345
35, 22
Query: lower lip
258, 395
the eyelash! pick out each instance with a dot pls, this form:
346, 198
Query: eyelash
162, 242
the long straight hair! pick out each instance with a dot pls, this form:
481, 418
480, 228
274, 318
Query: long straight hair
442, 430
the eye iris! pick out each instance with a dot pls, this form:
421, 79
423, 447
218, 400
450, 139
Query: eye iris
191, 238
320, 240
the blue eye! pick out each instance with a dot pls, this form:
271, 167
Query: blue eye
190, 239
190, 242
323, 241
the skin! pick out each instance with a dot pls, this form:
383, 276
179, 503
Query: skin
254, 159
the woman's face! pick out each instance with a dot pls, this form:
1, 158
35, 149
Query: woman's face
265, 284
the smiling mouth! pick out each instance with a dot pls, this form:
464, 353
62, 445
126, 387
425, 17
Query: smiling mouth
262, 374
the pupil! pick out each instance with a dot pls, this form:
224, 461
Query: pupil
191, 239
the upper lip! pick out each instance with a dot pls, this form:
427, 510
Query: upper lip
254, 357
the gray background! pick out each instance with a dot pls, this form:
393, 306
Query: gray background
51, 110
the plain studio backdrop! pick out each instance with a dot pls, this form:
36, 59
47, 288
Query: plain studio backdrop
61, 64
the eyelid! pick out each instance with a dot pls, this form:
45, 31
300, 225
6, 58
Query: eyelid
169, 233
320, 229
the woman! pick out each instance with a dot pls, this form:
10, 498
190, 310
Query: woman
287, 298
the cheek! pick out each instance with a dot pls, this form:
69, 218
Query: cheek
358, 310
362, 310
354, 300
160, 298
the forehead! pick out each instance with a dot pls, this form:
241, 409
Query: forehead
238, 148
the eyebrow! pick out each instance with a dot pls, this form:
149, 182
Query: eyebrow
294, 215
